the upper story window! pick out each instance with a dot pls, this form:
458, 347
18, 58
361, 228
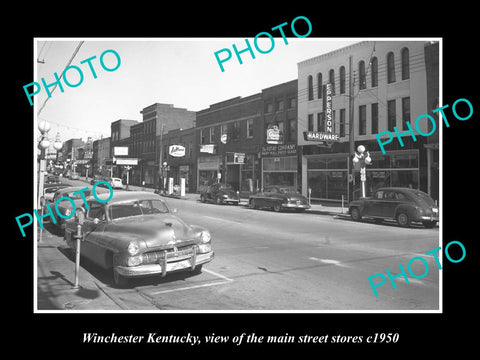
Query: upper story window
310, 87
342, 79
268, 108
390, 68
319, 86
280, 105
362, 75
374, 71
249, 128
405, 64
331, 80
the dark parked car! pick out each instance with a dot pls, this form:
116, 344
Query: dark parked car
279, 198
65, 207
402, 204
49, 190
136, 234
52, 179
220, 194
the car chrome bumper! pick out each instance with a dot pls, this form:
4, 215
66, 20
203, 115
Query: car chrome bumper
160, 268
429, 218
296, 206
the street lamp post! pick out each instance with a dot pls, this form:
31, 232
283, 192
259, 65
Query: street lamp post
360, 159
87, 166
128, 168
43, 144
165, 169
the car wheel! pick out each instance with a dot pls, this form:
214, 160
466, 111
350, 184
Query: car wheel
355, 214
403, 219
378, 220
218, 200
252, 204
429, 224
277, 207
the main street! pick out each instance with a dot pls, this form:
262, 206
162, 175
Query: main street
290, 261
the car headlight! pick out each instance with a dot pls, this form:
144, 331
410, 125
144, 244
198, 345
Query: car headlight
205, 236
68, 212
132, 248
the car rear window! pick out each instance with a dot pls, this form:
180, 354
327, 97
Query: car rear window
424, 198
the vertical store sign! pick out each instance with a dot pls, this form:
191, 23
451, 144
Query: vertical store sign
329, 111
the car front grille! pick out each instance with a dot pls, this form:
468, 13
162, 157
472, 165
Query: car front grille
173, 254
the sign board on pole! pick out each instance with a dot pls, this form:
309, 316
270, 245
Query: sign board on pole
120, 151
126, 161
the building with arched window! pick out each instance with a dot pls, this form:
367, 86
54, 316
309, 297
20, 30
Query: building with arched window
386, 81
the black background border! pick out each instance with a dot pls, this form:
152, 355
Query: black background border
433, 333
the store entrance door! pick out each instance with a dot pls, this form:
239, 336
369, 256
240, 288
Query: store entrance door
233, 176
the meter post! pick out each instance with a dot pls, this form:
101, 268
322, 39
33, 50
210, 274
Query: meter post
79, 217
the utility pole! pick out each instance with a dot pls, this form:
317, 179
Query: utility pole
351, 131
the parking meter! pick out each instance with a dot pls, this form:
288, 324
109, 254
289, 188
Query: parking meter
79, 236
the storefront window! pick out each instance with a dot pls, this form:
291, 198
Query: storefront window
328, 184
404, 160
337, 163
317, 163
279, 178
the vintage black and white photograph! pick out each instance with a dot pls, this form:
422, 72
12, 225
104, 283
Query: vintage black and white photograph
276, 173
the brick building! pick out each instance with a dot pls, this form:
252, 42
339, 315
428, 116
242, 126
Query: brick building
229, 137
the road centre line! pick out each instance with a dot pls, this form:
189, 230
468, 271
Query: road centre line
220, 219
328, 261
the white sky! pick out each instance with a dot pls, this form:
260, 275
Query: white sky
182, 72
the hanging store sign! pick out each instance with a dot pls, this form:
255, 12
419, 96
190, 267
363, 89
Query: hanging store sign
125, 161
120, 151
176, 150
209, 149
224, 138
274, 135
326, 137
322, 137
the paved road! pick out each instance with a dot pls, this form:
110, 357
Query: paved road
292, 261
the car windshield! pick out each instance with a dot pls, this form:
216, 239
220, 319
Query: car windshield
137, 208
289, 191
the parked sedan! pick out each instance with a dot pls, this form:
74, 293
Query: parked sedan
279, 198
402, 204
49, 190
220, 194
136, 234
116, 183
52, 179
65, 207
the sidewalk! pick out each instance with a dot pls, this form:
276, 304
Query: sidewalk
314, 209
56, 277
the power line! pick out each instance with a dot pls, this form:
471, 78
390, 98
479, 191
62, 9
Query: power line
68, 64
